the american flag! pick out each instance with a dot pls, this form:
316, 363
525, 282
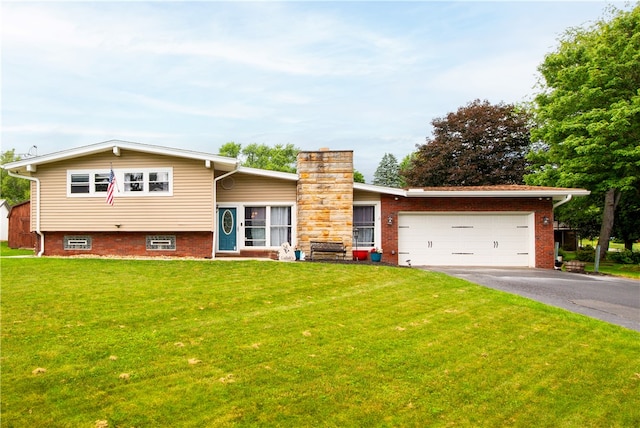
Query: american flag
111, 187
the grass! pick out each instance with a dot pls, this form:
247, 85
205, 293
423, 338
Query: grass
5, 251
619, 246
196, 343
607, 267
628, 271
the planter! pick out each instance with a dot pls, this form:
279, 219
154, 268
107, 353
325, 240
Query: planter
575, 266
360, 254
376, 257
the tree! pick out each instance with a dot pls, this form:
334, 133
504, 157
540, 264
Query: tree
14, 190
231, 150
358, 177
388, 172
480, 144
403, 167
588, 114
627, 222
276, 158
582, 214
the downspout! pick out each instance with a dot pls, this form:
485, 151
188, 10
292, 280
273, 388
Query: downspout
38, 231
562, 202
215, 207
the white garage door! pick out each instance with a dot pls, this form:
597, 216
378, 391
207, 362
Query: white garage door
465, 239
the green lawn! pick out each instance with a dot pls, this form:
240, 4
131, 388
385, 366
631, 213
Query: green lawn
140, 343
628, 271
5, 251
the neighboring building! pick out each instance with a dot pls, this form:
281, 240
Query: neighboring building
20, 235
4, 220
565, 236
174, 202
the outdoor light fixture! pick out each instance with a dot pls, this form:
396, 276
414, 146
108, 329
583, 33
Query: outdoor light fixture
545, 221
390, 219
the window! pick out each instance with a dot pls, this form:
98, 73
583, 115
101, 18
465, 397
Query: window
158, 181
267, 224
255, 226
101, 182
77, 242
133, 182
364, 221
161, 242
80, 183
280, 225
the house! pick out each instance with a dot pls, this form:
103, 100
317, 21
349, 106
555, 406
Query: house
176, 202
4, 220
565, 236
20, 235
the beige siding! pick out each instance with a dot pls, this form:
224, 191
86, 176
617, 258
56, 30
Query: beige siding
189, 209
250, 188
362, 196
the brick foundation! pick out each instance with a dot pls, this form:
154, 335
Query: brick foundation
188, 244
544, 241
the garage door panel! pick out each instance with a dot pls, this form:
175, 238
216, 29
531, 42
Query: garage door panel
464, 239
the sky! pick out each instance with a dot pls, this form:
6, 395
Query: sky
363, 76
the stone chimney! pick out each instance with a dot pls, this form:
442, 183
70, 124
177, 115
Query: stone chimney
325, 198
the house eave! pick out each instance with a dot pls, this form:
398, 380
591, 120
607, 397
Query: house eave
116, 146
379, 189
268, 173
553, 193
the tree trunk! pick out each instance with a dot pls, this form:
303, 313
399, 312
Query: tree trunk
628, 244
611, 199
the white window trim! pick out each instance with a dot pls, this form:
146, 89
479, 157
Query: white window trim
119, 191
377, 216
268, 205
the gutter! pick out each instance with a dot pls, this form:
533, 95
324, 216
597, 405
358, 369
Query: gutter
38, 231
563, 201
215, 206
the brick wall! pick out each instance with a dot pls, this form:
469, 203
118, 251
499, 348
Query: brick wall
325, 198
188, 244
541, 207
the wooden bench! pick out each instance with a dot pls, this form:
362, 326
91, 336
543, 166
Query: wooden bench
328, 247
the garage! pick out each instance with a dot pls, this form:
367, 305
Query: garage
466, 239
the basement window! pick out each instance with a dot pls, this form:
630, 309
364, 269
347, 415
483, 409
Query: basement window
161, 242
77, 242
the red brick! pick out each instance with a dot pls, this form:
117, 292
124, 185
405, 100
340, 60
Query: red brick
541, 207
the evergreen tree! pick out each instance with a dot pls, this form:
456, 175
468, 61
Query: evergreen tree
388, 172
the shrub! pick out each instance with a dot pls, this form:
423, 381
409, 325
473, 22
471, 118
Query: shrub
626, 257
586, 254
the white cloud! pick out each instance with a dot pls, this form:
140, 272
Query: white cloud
367, 76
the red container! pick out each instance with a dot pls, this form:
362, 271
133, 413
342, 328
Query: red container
360, 254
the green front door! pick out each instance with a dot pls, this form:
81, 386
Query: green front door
227, 229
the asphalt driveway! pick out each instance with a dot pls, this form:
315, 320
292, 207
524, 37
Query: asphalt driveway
611, 299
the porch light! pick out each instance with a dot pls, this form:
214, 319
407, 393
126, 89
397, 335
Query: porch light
390, 219
545, 221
